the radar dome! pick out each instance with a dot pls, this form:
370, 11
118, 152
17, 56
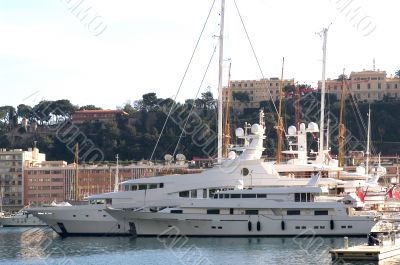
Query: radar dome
302, 127
257, 129
313, 127
292, 130
239, 132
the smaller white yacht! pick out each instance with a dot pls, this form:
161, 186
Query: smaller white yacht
21, 218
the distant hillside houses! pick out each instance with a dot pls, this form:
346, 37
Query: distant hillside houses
367, 86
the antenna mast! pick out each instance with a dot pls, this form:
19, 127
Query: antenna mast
221, 56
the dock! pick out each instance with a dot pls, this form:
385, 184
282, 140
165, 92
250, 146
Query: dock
365, 252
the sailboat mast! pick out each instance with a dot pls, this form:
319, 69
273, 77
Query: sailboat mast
227, 131
341, 127
116, 189
221, 61
368, 140
321, 125
280, 122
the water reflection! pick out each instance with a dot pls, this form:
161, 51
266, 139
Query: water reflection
43, 246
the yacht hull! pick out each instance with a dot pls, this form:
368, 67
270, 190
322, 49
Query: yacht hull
11, 221
80, 221
165, 224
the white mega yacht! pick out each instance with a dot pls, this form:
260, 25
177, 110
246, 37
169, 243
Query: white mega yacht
279, 211
247, 167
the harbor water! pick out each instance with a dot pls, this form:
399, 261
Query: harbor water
43, 246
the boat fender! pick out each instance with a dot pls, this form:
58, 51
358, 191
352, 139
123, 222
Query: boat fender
258, 226
249, 226
332, 224
283, 225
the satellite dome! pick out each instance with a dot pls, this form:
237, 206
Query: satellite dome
292, 130
239, 132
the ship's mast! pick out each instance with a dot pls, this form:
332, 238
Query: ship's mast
227, 131
368, 140
341, 126
280, 122
116, 187
221, 56
321, 125
76, 172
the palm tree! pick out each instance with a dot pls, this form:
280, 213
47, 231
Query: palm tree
397, 74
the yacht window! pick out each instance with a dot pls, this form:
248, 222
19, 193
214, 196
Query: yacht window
308, 197
211, 192
261, 195
303, 197
176, 211
108, 201
235, 196
126, 187
248, 195
221, 196
230, 210
297, 197
161, 185
251, 212
142, 186
193, 194
134, 187
321, 212
293, 212
184, 194
204, 193
152, 186
213, 211
226, 196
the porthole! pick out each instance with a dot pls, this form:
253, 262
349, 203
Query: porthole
245, 171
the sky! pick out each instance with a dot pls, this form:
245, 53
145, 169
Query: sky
109, 53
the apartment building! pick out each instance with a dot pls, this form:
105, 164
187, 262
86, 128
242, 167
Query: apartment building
256, 91
366, 86
12, 185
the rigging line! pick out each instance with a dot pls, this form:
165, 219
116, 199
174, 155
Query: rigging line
183, 78
256, 58
197, 94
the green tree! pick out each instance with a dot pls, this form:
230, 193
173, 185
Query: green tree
90, 107
24, 111
397, 74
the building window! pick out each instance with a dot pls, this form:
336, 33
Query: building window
369, 86
395, 85
379, 85
358, 86
388, 86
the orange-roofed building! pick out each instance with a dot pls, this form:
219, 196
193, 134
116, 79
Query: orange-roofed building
83, 116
